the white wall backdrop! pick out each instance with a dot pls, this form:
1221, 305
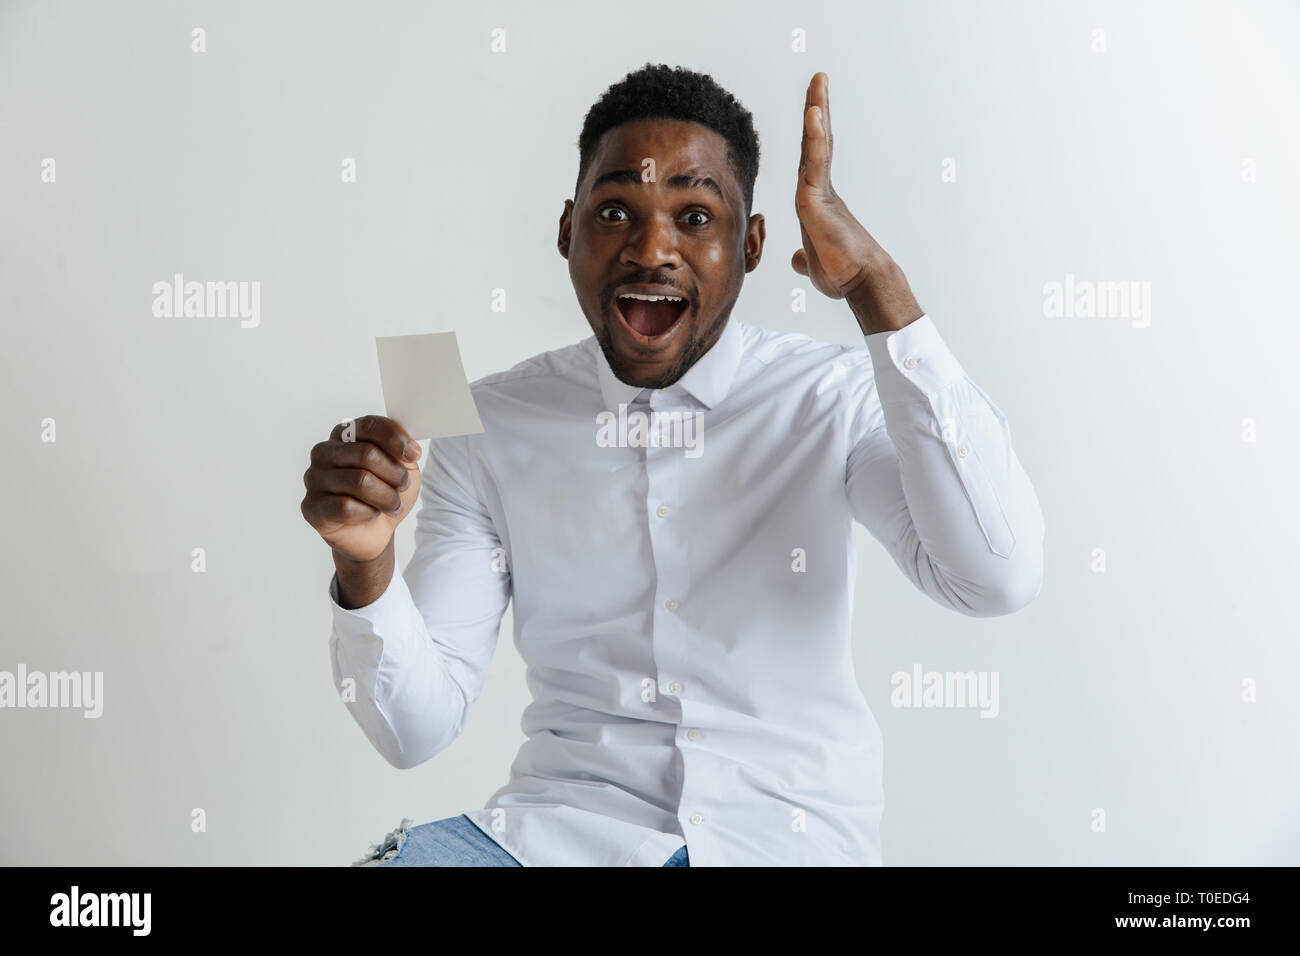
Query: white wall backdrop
1162, 151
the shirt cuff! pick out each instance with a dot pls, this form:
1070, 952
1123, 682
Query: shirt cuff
385, 615
912, 362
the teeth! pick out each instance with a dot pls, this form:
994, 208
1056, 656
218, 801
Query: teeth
652, 298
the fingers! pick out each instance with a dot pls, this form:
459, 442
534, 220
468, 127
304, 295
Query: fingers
815, 147
815, 161
803, 142
359, 472
800, 262
336, 510
358, 469
357, 483
363, 455
823, 100
384, 432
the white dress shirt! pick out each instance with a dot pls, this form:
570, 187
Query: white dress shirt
684, 608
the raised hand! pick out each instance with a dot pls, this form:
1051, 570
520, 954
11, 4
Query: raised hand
838, 254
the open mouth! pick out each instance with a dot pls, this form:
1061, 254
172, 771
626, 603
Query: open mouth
650, 318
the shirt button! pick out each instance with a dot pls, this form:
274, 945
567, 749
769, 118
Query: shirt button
662, 511
674, 688
368, 638
909, 362
671, 604
692, 734
697, 819
961, 452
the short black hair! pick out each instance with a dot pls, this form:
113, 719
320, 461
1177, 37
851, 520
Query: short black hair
663, 92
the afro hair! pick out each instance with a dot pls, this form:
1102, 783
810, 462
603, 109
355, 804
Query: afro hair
663, 92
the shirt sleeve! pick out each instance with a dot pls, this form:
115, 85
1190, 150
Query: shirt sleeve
418, 654
932, 475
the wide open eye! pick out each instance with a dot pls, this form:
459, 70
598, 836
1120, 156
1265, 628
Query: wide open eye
700, 212
600, 214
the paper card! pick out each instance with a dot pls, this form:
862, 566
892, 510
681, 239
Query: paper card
425, 388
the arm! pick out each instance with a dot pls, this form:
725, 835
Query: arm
937, 481
419, 652
931, 472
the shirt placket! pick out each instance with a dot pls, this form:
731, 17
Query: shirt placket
671, 638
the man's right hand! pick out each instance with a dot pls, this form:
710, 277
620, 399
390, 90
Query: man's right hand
359, 490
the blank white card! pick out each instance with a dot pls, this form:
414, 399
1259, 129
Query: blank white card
425, 388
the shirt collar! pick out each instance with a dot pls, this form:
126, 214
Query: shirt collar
709, 379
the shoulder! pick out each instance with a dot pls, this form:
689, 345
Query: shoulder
835, 378
514, 402
802, 355
568, 363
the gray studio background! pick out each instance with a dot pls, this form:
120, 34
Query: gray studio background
1120, 690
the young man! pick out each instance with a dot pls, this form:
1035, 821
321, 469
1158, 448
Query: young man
670, 502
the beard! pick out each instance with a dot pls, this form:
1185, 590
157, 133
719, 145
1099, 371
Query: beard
696, 347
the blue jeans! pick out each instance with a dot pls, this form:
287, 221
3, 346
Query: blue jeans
455, 841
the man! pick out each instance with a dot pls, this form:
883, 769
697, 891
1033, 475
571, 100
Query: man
670, 504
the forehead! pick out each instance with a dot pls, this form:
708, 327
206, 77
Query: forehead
677, 147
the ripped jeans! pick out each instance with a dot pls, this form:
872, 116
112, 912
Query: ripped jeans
455, 841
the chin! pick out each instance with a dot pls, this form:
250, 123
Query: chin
644, 371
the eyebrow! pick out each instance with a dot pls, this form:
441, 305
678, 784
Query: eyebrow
633, 177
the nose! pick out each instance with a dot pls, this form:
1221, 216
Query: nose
651, 244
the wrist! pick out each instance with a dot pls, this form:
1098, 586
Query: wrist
881, 299
362, 582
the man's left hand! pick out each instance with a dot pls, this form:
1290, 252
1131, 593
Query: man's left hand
839, 255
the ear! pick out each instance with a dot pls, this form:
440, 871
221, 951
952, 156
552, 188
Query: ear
566, 224
755, 236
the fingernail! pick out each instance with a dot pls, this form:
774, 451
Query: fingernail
412, 451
